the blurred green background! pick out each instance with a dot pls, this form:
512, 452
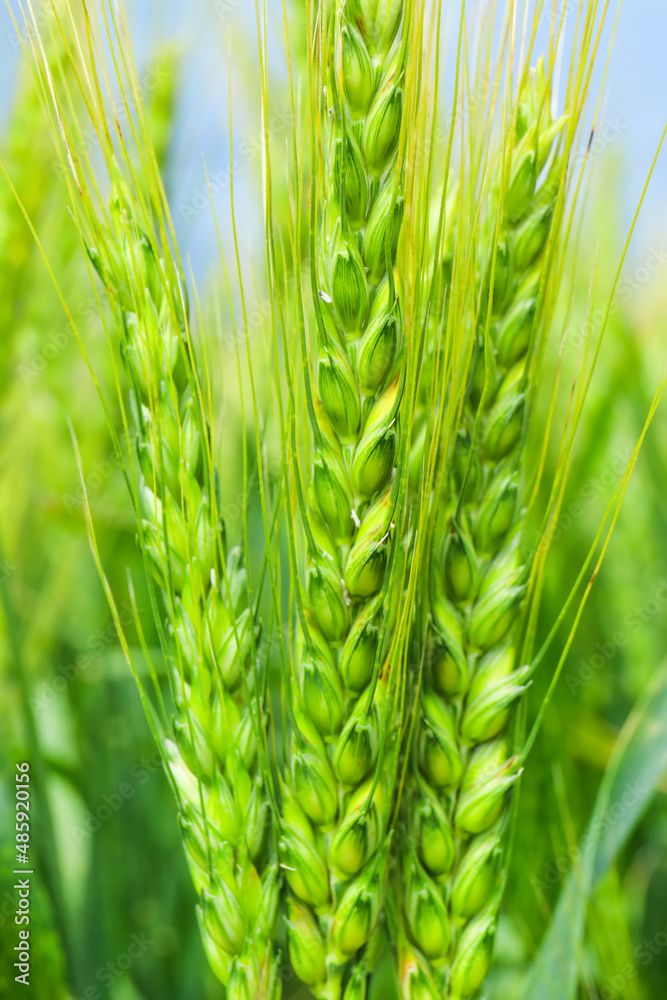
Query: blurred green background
112, 906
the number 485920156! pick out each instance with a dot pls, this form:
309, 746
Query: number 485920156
22, 812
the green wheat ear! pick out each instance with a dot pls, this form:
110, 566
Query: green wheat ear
462, 767
339, 777
214, 750
214, 745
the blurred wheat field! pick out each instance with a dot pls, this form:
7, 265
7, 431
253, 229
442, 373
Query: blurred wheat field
113, 907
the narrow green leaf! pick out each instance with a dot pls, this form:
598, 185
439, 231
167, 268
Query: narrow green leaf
638, 765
